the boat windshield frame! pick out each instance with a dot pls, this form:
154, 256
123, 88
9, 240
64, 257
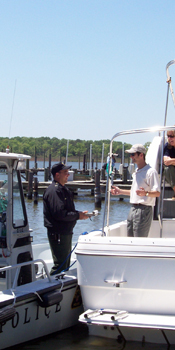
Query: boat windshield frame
17, 195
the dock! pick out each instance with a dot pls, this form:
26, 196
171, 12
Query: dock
74, 186
94, 181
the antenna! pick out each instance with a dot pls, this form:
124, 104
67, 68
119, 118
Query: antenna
12, 108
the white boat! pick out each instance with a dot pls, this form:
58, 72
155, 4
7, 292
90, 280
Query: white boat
128, 283
32, 303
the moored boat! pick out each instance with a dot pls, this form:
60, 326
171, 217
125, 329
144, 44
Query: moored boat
32, 303
127, 283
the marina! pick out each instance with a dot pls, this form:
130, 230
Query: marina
34, 184
87, 175
102, 290
74, 186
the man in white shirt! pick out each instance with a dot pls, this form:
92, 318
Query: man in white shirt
144, 190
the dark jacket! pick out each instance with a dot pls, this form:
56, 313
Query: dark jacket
60, 215
169, 151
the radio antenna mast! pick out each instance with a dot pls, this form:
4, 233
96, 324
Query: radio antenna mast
12, 108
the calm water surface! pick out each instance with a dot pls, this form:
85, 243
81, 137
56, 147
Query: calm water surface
77, 337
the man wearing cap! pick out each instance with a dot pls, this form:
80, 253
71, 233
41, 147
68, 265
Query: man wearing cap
145, 188
60, 217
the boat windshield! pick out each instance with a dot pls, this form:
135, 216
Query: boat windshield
19, 213
3, 193
3, 190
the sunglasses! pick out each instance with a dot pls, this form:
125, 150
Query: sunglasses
133, 154
171, 136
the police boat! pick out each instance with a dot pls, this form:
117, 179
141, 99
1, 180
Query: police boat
32, 303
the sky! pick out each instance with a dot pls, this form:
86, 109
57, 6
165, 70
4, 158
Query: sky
85, 69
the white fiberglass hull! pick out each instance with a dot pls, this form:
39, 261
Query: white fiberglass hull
32, 321
131, 274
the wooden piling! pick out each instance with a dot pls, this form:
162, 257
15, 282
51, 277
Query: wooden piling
92, 165
102, 174
46, 174
97, 192
35, 191
27, 169
30, 185
44, 160
84, 163
49, 175
125, 174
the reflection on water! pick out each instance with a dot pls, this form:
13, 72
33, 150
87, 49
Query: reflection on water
77, 338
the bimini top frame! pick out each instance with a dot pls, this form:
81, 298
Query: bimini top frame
108, 184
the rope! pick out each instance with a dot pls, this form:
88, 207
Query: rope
55, 272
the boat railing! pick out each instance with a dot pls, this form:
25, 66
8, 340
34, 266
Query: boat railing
18, 267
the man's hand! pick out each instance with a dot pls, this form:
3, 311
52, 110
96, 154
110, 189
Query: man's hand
82, 215
141, 192
115, 190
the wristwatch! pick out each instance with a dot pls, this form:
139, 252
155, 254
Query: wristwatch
147, 194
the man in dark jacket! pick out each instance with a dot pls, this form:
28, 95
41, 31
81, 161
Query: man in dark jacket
60, 217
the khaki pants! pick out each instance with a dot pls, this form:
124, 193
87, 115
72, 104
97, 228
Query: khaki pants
139, 220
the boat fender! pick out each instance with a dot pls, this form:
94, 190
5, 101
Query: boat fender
6, 313
50, 298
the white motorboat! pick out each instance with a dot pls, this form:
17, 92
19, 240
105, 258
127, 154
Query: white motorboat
127, 283
32, 303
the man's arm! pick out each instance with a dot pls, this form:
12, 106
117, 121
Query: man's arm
142, 192
168, 161
116, 191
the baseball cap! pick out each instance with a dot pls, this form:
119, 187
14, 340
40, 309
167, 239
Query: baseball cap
59, 166
136, 148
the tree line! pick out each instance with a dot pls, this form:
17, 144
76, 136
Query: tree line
43, 146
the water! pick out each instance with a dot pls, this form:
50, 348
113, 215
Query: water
84, 201
77, 337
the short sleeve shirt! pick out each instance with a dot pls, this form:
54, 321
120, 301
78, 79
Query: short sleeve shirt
147, 178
